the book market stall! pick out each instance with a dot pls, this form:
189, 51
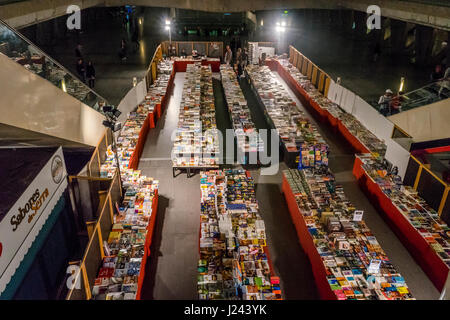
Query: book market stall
127, 246
135, 129
417, 225
297, 134
234, 260
359, 137
347, 260
244, 129
181, 63
196, 143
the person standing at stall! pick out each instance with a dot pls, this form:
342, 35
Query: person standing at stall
228, 56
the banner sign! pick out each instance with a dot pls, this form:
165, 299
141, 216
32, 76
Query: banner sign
22, 224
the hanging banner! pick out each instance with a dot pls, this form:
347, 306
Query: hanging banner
22, 224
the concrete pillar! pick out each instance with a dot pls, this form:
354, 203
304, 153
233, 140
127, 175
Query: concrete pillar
347, 22
398, 36
423, 44
448, 50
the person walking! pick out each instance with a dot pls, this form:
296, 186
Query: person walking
123, 50
78, 53
81, 70
228, 56
90, 74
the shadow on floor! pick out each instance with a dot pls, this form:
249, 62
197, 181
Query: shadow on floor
150, 272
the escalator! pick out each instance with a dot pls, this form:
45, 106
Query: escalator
41, 100
19, 49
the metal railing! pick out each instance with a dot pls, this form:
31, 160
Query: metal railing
23, 51
426, 95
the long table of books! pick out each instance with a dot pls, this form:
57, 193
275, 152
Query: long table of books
234, 261
136, 127
180, 64
417, 225
127, 247
298, 135
362, 140
245, 131
347, 261
196, 142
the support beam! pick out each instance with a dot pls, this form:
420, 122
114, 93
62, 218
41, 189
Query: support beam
398, 36
424, 44
24, 13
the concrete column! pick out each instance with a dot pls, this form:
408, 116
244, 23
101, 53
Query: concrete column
398, 36
347, 22
448, 50
423, 44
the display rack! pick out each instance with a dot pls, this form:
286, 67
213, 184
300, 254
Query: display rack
417, 225
295, 130
347, 261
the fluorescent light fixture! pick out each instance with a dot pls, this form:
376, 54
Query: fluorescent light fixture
167, 22
167, 28
283, 24
262, 22
402, 84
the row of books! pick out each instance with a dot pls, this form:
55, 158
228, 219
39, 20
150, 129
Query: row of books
367, 138
124, 247
196, 142
244, 128
415, 209
355, 264
295, 129
129, 134
233, 255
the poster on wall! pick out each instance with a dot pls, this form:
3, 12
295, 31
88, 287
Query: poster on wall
23, 222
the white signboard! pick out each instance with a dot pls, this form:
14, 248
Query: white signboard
358, 215
21, 225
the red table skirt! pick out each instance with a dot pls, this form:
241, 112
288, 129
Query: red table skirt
150, 123
148, 243
180, 65
351, 139
306, 241
417, 246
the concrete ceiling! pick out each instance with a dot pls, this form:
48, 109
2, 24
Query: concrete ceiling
25, 13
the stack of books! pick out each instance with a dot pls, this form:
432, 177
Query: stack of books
356, 265
367, 138
233, 255
295, 130
196, 142
415, 209
244, 129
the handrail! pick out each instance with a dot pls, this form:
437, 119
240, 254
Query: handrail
47, 56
